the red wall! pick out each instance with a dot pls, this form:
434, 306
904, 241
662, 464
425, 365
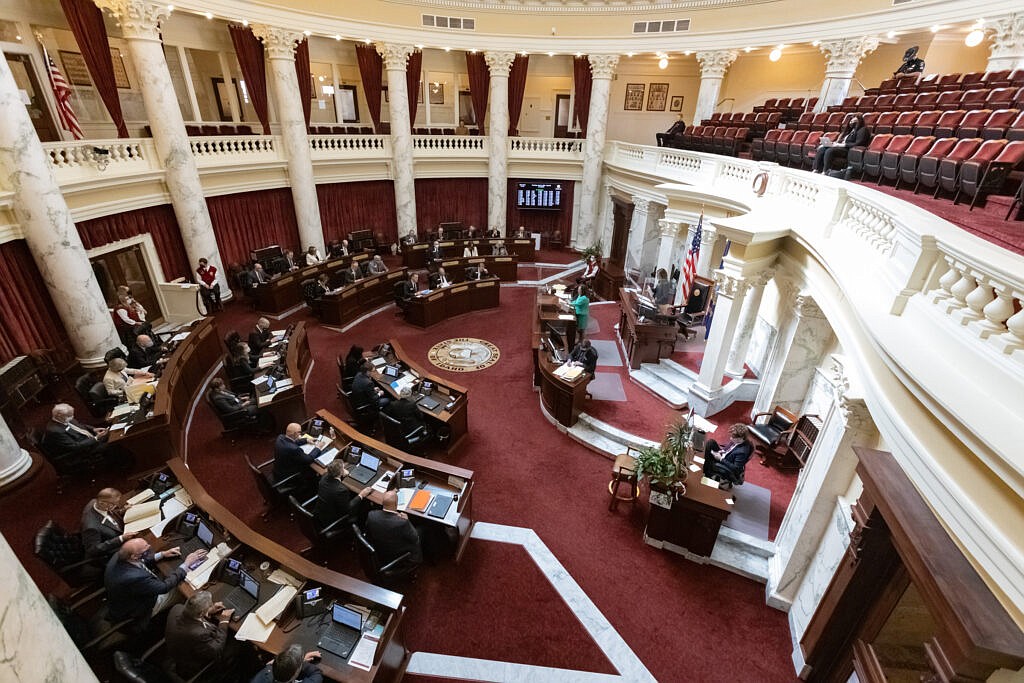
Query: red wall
158, 221
364, 205
250, 220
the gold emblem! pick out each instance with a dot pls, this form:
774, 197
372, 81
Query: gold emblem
463, 354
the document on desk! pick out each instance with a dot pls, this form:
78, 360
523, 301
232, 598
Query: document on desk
709, 482
141, 517
283, 578
172, 508
363, 652
254, 629
404, 496
123, 409
181, 336
698, 459
266, 362
695, 468
283, 384
141, 497
200, 576
377, 362
327, 457
566, 316
264, 399
278, 333
273, 607
118, 425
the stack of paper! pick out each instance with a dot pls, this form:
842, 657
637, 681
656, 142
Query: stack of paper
141, 497
362, 654
172, 509
253, 629
404, 496
123, 409
142, 516
260, 623
266, 362
181, 336
200, 576
327, 457
569, 373
283, 578
709, 482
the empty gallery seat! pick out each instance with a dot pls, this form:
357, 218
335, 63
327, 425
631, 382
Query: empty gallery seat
870, 119
910, 162
948, 100
771, 151
928, 166
758, 146
971, 80
928, 83
883, 123
925, 124
998, 123
905, 122
925, 101
810, 148
855, 157
889, 167
793, 154
872, 161
836, 121
1016, 129
970, 126
1000, 98
884, 103
805, 120
904, 102
866, 103
973, 99
979, 178
947, 123
949, 168
948, 82
996, 79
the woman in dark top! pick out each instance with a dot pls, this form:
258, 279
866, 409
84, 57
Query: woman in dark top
855, 135
351, 366
240, 368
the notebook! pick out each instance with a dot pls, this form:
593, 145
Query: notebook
420, 500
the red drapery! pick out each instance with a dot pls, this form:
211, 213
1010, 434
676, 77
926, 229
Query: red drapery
250, 220
582, 80
249, 51
158, 221
479, 84
364, 205
86, 21
412, 82
29, 319
371, 70
537, 220
516, 88
439, 200
303, 74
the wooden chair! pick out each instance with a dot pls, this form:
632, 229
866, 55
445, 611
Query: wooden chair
698, 303
623, 472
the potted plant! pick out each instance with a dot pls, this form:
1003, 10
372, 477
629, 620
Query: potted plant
594, 250
666, 466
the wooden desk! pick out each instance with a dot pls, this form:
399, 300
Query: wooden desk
693, 521
289, 405
456, 419
284, 292
645, 342
440, 477
352, 301
609, 281
505, 268
415, 255
563, 399
390, 658
425, 310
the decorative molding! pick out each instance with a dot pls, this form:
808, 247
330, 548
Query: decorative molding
843, 55
499, 63
668, 228
714, 64
579, 6
278, 42
139, 19
729, 285
395, 56
640, 204
603, 66
806, 307
1007, 39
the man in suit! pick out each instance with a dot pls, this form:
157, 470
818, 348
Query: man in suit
365, 391
353, 274
102, 529
230, 407
584, 354
144, 352
322, 287
440, 279
405, 411
435, 252
391, 533
197, 634
727, 464
135, 588
493, 233
478, 272
289, 259
333, 499
67, 438
521, 233
260, 338
258, 276
377, 266
291, 665
410, 286
289, 457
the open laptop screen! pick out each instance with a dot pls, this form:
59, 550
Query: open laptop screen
370, 461
346, 616
249, 584
204, 533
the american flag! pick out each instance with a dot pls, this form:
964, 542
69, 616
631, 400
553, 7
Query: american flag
62, 93
690, 265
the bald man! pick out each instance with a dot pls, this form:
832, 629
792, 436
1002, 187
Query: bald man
102, 526
134, 585
260, 338
289, 456
391, 533
144, 352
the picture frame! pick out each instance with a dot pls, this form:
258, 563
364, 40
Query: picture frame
634, 97
657, 97
120, 73
75, 70
222, 95
676, 103
436, 91
349, 100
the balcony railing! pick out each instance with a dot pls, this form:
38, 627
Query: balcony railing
97, 159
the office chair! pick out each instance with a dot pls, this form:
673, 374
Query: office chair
62, 551
95, 396
238, 421
320, 537
413, 441
401, 301
273, 493
68, 467
398, 570
154, 666
726, 476
771, 430
364, 417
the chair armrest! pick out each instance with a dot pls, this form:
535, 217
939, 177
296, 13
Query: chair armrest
307, 502
347, 519
264, 464
395, 562
106, 634
202, 672
156, 647
760, 415
277, 484
419, 432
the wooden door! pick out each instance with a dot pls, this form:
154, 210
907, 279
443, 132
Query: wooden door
622, 216
562, 116
127, 267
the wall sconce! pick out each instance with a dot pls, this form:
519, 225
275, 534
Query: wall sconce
101, 157
776, 54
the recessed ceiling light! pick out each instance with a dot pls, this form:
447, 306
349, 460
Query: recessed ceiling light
974, 38
579, 54
447, 49
688, 53
816, 43
419, 47
524, 53
245, 22
170, 8
307, 33
551, 54
890, 35
629, 54
663, 63
748, 49
366, 40
321, 78
337, 37
936, 28
775, 55
208, 15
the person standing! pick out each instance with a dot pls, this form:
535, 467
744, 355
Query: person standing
209, 288
581, 305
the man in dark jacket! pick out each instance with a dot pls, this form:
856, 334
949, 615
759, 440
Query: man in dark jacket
405, 411
134, 584
291, 665
364, 391
102, 529
727, 464
333, 499
197, 633
289, 456
144, 352
585, 355
260, 338
391, 533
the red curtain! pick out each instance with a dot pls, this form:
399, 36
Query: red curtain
516, 88
302, 72
371, 71
537, 220
479, 84
413, 69
28, 319
364, 205
439, 200
582, 80
249, 51
86, 21
250, 220
158, 221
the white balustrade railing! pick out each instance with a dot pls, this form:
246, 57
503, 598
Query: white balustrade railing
444, 145
218, 150
546, 146
84, 158
349, 146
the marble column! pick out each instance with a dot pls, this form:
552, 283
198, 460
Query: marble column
637, 230
49, 230
668, 234
842, 57
140, 26
706, 392
828, 474
14, 460
798, 350
713, 65
395, 59
280, 46
745, 327
499, 64
602, 67
1007, 43
606, 221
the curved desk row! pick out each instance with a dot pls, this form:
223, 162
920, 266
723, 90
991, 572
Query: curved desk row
562, 399
284, 292
415, 255
345, 305
505, 268
647, 341
429, 308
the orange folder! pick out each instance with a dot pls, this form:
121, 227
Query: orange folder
420, 500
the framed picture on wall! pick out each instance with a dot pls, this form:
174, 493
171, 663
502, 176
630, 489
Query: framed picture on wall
676, 103
349, 102
634, 97
75, 69
436, 92
223, 98
657, 97
120, 75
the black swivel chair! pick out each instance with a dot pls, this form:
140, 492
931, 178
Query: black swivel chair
155, 667
309, 295
321, 538
95, 396
274, 493
401, 301
62, 551
397, 571
413, 441
68, 467
238, 421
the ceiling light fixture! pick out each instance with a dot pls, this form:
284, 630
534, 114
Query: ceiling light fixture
208, 15
663, 63
629, 54
245, 22
551, 54
447, 49
337, 37
776, 54
936, 28
170, 8
748, 49
307, 33
816, 43
890, 35
974, 38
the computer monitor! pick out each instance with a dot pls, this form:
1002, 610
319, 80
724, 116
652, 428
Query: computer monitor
347, 617
369, 460
204, 533
391, 371
556, 337
316, 426
355, 451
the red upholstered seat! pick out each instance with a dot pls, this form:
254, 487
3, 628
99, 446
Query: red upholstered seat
928, 83
772, 150
948, 100
947, 123
971, 80
866, 103
1016, 78
997, 79
996, 125
890, 162
905, 102
905, 122
973, 99
948, 82
907, 82
749, 118
872, 162
804, 121
928, 166
855, 157
810, 147
1000, 98
970, 126
794, 155
757, 147
870, 119
885, 87
768, 104
909, 162
925, 101
978, 177
848, 104
734, 142
949, 168
925, 124
883, 124
1016, 129
884, 103
820, 119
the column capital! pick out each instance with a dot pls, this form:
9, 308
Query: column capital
854, 411
499, 63
714, 64
395, 56
763, 278
844, 55
708, 234
730, 285
806, 307
139, 19
278, 42
1007, 38
668, 228
640, 204
603, 66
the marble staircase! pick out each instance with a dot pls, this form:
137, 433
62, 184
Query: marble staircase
666, 379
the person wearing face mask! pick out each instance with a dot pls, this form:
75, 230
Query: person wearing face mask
144, 352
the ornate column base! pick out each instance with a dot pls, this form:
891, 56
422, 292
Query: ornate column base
14, 470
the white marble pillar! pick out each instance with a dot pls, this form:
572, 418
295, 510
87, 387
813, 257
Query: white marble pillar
499, 64
828, 474
706, 392
280, 46
745, 327
668, 228
1007, 43
14, 460
602, 67
842, 57
637, 231
49, 231
799, 347
713, 65
140, 26
606, 221
395, 59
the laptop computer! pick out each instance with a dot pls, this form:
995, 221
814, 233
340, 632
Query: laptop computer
343, 632
367, 468
244, 596
428, 403
391, 371
203, 540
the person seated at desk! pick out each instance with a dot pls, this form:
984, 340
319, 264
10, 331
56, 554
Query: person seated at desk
135, 589
673, 136
240, 368
591, 270
410, 287
478, 272
144, 352
197, 634
103, 526
230, 405
257, 276
471, 233
440, 279
499, 249
313, 256
410, 238
260, 338
291, 665
727, 464
350, 366
435, 252
376, 266
470, 250
338, 248
66, 438
364, 391
333, 499
585, 355
493, 233
322, 286
405, 411
353, 274
289, 456
118, 379
290, 261
209, 288
391, 533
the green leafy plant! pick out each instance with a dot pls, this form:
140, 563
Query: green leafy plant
668, 464
595, 250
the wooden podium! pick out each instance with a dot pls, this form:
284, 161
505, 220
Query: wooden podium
690, 523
